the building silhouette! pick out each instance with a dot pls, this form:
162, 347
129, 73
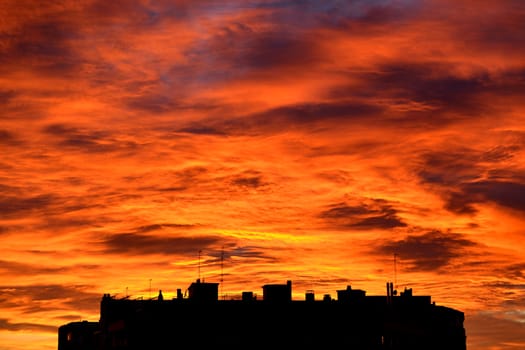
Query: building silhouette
352, 321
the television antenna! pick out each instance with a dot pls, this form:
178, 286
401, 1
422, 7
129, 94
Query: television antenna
199, 267
395, 271
222, 269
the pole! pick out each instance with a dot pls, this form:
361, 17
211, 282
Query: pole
222, 269
199, 272
395, 271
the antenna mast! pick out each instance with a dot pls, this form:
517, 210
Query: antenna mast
222, 267
199, 271
395, 271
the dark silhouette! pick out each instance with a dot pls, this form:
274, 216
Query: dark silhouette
78, 336
352, 321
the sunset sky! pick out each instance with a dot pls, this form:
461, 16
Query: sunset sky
283, 140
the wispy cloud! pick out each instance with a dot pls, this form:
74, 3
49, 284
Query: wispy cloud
10, 326
137, 244
377, 214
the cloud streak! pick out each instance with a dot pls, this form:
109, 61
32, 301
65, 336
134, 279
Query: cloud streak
129, 243
376, 215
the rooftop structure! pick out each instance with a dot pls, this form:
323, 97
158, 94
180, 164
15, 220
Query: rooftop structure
352, 321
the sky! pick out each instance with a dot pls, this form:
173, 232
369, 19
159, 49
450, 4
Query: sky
145, 144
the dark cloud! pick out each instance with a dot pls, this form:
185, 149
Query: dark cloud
50, 206
500, 153
158, 227
22, 269
309, 113
37, 298
499, 30
376, 215
6, 324
340, 177
433, 95
254, 181
27, 269
343, 211
385, 221
180, 180
16, 206
505, 285
239, 52
459, 203
433, 84
10, 190
510, 195
337, 14
450, 168
428, 252
455, 176
155, 103
140, 244
130, 13
450, 96
198, 129
238, 49
186, 179
138, 15
56, 221
430, 84
43, 44
305, 116
504, 193
164, 188
231, 250
7, 138
510, 82
249, 178
514, 271
71, 138
49, 39
6, 96
274, 50
190, 174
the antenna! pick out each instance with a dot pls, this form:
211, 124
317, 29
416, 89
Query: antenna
222, 269
150, 288
395, 271
199, 272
